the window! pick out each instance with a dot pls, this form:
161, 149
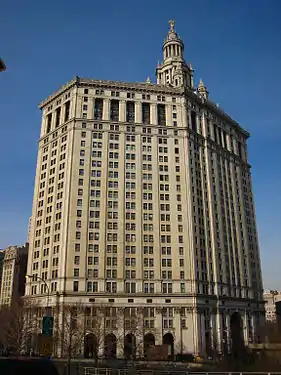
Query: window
130, 112
130, 287
75, 286
114, 110
76, 272
148, 288
58, 114
67, 111
146, 113
98, 109
111, 286
167, 288
49, 123
161, 114
193, 121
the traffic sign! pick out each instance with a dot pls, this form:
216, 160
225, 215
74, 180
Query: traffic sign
45, 345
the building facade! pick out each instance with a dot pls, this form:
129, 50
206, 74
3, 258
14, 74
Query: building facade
143, 198
2, 254
13, 274
270, 298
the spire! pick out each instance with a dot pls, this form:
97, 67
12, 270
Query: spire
148, 80
201, 84
202, 89
174, 71
172, 35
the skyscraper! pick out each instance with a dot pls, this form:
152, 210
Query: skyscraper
143, 198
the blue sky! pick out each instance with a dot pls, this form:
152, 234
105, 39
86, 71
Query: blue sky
233, 45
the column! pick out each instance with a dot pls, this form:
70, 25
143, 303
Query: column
159, 326
169, 116
153, 114
106, 109
138, 112
120, 333
219, 330
228, 333
122, 110
78, 108
178, 339
253, 327
245, 328
90, 112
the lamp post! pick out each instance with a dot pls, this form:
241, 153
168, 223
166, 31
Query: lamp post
44, 282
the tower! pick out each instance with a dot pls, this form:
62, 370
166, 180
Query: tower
143, 202
174, 71
202, 90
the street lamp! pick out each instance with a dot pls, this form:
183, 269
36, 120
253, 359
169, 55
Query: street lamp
2, 66
43, 281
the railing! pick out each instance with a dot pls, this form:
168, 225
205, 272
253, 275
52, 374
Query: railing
131, 371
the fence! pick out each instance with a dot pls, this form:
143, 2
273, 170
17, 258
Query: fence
133, 371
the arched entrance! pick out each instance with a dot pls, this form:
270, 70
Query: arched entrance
110, 346
90, 346
168, 339
129, 346
148, 342
236, 333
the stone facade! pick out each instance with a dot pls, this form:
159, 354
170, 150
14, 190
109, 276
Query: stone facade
143, 197
270, 298
13, 274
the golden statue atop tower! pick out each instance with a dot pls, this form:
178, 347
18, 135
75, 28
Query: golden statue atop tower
172, 25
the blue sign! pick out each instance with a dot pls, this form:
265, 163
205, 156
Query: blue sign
47, 325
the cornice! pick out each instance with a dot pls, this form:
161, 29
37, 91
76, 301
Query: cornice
140, 86
146, 87
60, 91
217, 110
106, 84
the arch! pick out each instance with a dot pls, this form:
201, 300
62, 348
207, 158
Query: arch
110, 346
168, 339
129, 346
148, 342
236, 333
90, 346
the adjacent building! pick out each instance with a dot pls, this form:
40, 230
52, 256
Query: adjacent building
13, 274
29, 229
270, 298
2, 254
143, 199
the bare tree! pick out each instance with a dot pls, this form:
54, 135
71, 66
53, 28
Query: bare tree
16, 325
130, 336
69, 334
95, 317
